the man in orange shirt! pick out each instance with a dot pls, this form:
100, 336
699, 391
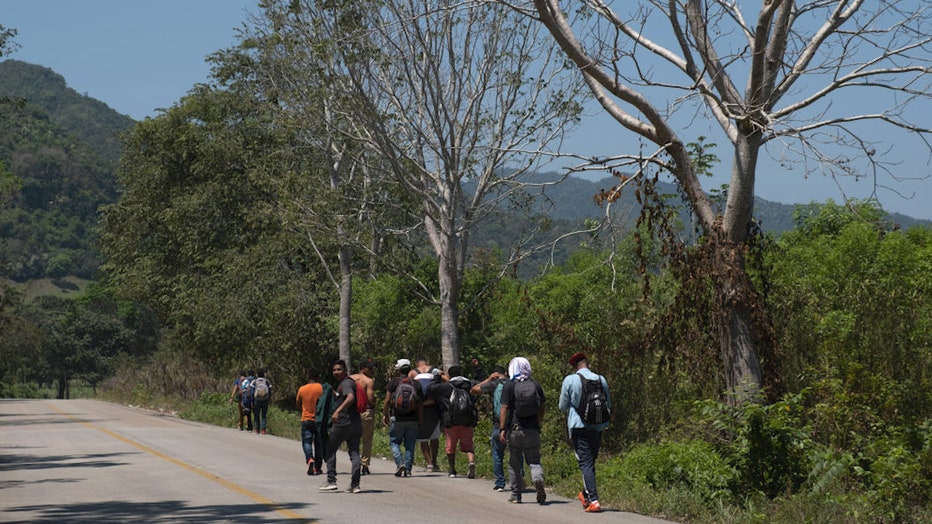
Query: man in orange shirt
306, 399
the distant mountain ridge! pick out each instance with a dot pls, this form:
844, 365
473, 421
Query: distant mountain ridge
573, 201
65, 148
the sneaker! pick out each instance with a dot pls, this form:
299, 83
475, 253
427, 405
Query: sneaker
257, 431
515, 499
541, 494
432, 469
498, 489
594, 507
353, 489
364, 470
328, 486
452, 474
582, 498
471, 474
263, 432
310, 466
407, 472
318, 471
400, 471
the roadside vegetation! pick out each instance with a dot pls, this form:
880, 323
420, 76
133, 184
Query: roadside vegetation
847, 439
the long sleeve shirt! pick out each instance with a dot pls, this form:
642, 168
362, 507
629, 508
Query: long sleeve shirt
571, 396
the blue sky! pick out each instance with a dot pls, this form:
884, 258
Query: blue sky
139, 56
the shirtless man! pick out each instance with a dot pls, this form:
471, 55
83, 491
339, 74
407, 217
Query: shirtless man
364, 377
429, 430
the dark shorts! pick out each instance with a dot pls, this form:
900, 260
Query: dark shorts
430, 429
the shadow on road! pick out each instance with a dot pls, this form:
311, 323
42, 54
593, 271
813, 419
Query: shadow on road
167, 511
12, 462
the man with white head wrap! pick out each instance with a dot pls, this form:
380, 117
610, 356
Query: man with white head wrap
520, 421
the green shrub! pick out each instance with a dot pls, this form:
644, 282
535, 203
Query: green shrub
692, 465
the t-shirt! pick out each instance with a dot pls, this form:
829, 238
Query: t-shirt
307, 398
349, 415
489, 389
508, 399
402, 417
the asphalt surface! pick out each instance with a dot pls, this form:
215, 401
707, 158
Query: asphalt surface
80, 461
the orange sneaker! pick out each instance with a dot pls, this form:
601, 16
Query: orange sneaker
594, 507
582, 498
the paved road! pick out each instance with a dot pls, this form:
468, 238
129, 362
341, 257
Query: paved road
88, 461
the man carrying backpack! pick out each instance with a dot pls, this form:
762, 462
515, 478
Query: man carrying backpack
402, 413
261, 392
493, 385
585, 399
457, 414
346, 427
246, 398
520, 421
364, 379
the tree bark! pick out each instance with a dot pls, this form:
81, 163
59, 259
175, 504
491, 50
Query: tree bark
346, 297
449, 312
734, 305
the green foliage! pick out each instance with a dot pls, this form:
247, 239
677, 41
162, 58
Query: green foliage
691, 465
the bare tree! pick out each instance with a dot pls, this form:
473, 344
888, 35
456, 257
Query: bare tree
462, 100
663, 59
332, 194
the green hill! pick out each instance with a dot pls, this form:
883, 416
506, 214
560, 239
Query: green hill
63, 147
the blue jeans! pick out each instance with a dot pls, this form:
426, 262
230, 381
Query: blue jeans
308, 437
587, 442
403, 432
498, 457
261, 410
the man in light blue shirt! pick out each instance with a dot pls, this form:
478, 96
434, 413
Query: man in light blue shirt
586, 435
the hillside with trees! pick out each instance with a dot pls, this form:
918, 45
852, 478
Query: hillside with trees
62, 148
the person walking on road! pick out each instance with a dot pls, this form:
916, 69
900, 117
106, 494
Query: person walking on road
428, 433
493, 386
585, 399
365, 379
458, 415
261, 392
402, 413
246, 401
306, 400
346, 426
520, 422
237, 396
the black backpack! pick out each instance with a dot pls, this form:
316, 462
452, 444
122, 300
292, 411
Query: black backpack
527, 403
462, 408
404, 401
593, 406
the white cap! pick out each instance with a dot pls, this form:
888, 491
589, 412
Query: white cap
402, 362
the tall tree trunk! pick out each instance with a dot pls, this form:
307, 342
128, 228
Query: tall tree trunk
734, 303
346, 297
449, 311
736, 297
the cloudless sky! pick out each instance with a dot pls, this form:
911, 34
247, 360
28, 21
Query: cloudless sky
141, 55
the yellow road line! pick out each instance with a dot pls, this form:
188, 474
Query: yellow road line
232, 486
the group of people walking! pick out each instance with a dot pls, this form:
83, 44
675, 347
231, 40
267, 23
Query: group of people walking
421, 401
252, 394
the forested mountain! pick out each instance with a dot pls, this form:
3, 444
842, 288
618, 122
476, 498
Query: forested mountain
63, 147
